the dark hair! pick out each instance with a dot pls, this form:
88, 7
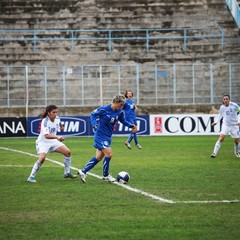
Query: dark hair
127, 92
48, 109
226, 95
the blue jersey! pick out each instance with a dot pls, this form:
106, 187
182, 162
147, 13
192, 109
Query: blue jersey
105, 118
129, 109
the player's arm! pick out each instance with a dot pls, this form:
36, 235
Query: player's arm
52, 136
94, 117
238, 116
48, 135
220, 115
61, 127
123, 120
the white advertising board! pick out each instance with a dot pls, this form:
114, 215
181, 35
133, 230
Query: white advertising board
183, 124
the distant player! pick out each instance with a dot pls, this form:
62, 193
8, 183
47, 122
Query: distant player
48, 141
129, 108
229, 111
103, 120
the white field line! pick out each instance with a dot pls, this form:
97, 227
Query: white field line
22, 166
155, 197
211, 201
11, 165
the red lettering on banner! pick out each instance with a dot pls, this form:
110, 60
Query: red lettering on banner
39, 126
158, 125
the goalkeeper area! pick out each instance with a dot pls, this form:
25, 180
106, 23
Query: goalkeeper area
176, 191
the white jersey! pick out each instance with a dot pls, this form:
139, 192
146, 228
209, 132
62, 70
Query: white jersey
48, 127
230, 114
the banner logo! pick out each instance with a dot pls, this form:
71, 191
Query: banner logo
72, 126
13, 127
142, 123
157, 124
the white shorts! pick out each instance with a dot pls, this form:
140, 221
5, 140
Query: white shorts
232, 130
46, 147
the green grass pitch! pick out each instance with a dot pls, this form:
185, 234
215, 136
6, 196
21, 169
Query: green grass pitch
174, 168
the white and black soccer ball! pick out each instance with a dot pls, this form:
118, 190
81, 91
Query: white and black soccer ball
123, 177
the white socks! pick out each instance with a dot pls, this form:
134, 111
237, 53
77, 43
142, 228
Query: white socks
35, 168
67, 164
216, 148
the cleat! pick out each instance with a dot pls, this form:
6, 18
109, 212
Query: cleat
82, 176
237, 154
128, 145
31, 179
109, 178
139, 146
69, 175
213, 155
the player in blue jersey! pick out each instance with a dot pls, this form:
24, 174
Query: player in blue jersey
229, 111
48, 141
103, 120
130, 115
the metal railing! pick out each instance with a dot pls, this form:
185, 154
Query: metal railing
235, 10
94, 85
113, 35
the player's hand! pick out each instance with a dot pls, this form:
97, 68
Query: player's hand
238, 123
60, 138
134, 128
95, 128
61, 127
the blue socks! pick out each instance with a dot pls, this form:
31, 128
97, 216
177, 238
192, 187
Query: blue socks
131, 137
106, 163
91, 163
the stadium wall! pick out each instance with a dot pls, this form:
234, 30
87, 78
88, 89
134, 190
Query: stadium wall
113, 14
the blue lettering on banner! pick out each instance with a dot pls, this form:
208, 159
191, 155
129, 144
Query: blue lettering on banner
142, 123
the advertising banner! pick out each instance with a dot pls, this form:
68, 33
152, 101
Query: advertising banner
73, 126
184, 124
13, 127
81, 126
142, 123
154, 125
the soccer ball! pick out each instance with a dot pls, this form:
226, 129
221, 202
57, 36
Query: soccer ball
123, 177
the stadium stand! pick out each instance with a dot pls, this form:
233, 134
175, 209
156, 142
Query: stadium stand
112, 14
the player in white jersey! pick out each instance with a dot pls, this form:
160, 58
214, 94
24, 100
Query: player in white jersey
229, 111
48, 141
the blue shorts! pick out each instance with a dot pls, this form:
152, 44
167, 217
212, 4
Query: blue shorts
102, 141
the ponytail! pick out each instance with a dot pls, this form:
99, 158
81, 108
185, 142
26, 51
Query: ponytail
48, 109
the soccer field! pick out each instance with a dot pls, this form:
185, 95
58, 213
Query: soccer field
176, 191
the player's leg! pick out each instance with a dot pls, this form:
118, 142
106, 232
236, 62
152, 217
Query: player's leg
127, 143
236, 147
106, 164
218, 145
90, 164
67, 160
225, 130
93, 161
37, 165
136, 141
235, 135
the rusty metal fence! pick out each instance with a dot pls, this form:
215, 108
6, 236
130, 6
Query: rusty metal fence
93, 85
